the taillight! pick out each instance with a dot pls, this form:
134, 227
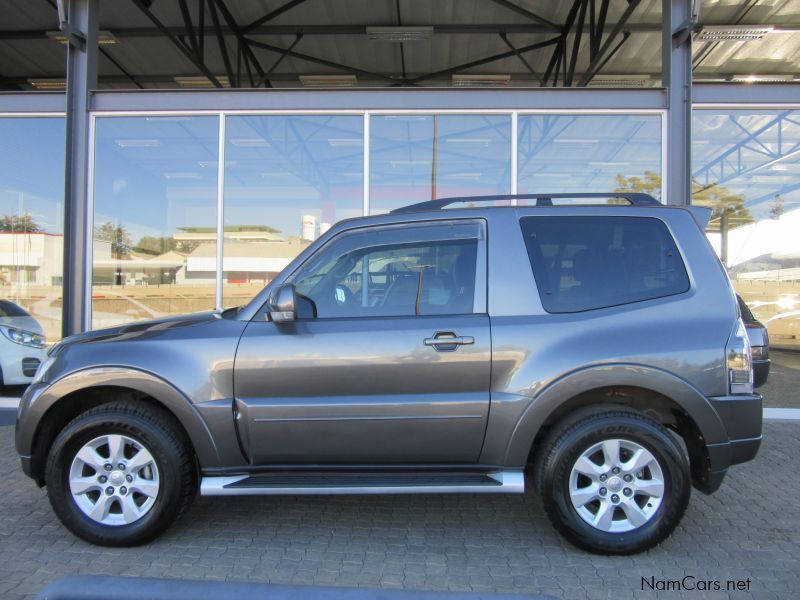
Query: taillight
739, 361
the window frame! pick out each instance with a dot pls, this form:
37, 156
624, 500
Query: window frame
480, 293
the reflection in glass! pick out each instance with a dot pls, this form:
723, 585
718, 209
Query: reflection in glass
32, 218
414, 158
155, 211
381, 273
589, 153
746, 167
287, 180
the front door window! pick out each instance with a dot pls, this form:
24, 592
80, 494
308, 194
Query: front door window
393, 272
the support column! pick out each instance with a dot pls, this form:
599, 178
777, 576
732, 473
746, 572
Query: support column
678, 18
79, 22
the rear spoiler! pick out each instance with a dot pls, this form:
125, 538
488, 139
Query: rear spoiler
701, 214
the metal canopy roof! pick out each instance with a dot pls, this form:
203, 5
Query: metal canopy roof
278, 43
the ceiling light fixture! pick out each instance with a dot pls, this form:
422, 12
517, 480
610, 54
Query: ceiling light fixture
200, 81
400, 34
480, 80
328, 80
620, 81
335, 142
732, 33
254, 142
777, 78
52, 84
104, 38
137, 143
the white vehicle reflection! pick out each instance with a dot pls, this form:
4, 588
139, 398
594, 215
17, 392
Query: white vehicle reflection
22, 344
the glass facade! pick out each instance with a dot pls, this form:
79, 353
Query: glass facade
32, 221
155, 210
289, 177
746, 167
589, 153
287, 180
416, 157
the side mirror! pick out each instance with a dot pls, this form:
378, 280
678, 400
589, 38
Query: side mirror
282, 304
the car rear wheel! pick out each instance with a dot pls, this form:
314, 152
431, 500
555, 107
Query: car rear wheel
120, 474
613, 481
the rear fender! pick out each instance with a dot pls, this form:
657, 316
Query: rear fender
541, 407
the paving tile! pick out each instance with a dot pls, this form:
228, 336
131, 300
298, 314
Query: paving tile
458, 543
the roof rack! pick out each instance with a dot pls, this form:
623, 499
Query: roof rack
635, 198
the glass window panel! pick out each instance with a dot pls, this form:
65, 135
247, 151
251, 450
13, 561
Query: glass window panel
746, 167
155, 213
32, 221
584, 263
393, 272
287, 180
589, 153
414, 158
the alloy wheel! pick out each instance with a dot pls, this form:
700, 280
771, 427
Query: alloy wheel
114, 480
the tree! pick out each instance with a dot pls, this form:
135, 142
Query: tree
19, 224
118, 236
724, 204
650, 183
150, 244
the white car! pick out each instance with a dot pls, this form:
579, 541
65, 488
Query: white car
22, 345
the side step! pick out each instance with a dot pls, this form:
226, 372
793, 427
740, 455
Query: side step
469, 482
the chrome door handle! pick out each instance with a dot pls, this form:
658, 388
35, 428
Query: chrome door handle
449, 340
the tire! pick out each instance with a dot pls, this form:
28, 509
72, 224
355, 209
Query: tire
156, 487
641, 515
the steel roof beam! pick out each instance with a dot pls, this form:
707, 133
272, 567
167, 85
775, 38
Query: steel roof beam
322, 61
483, 61
186, 51
552, 27
249, 55
271, 15
439, 29
522, 59
599, 58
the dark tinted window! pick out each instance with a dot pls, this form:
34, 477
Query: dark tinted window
583, 263
9, 309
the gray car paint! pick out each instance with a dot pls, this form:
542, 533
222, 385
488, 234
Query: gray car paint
674, 346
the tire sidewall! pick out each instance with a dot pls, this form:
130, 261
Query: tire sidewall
63, 452
558, 468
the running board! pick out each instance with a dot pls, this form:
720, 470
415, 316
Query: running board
275, 484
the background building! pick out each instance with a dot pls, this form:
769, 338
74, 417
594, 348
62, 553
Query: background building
196, 147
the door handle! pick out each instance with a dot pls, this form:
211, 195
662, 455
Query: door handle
447, 338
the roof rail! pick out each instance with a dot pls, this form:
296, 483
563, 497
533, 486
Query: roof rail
635, 198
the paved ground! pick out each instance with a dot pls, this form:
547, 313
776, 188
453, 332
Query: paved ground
750, 529
783, 386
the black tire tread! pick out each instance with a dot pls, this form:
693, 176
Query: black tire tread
552, 444
158, 418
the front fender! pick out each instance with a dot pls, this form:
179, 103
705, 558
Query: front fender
40, 398
537, 409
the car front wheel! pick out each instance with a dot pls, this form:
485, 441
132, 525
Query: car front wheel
613, 481
120, 474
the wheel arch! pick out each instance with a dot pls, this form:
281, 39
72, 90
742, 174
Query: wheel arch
80, 391
668, 399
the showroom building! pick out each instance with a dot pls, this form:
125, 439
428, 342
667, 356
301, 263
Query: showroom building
190, 150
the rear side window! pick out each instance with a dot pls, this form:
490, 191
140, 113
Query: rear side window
583, 263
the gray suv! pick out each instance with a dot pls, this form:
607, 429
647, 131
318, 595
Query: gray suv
597, 349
